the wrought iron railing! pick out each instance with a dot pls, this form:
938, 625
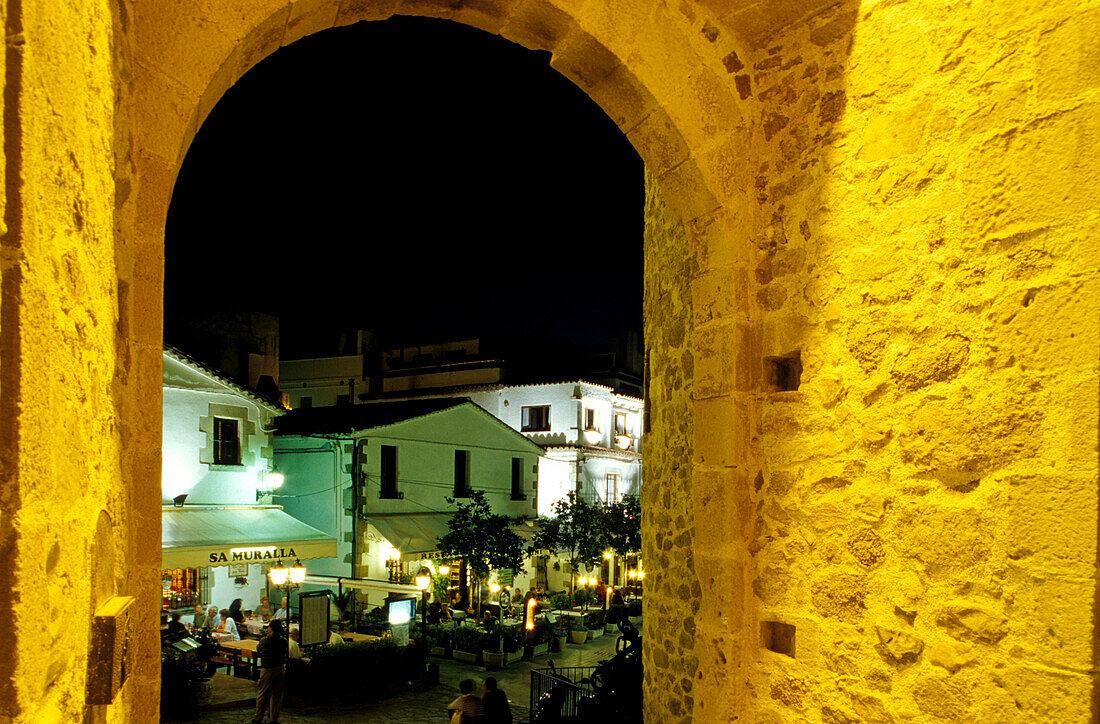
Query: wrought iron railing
556, 693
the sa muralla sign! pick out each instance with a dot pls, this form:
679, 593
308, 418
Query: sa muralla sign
247, 555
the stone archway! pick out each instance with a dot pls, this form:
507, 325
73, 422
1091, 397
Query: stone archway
872, 336
651, 82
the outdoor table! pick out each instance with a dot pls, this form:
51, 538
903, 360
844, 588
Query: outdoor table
351, 636
241, 652
255, 626
221, 636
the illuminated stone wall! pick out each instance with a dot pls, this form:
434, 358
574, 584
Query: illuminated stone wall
75, 449
902, 193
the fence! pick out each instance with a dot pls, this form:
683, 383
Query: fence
556, 694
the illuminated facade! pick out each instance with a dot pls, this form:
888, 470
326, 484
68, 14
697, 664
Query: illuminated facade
870, 324
217, 477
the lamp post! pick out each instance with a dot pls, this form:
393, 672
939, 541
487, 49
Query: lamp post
423, 581
286, 579
496, 589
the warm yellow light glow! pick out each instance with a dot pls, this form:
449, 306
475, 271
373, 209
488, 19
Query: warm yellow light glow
444, 569
422, 582
274, 480
297, 573
529, 622
641, 575
279, 575
494, 587
607, 555
633, 574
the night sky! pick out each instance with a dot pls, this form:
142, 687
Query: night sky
418, 178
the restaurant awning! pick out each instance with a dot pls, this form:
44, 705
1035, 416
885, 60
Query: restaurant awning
197, 535
362, 584
412, 534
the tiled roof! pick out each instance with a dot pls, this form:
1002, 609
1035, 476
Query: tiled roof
186, 359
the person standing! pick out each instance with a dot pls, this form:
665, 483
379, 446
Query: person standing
467, 708
495, 703
273, 651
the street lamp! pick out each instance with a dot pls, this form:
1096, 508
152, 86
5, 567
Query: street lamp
495, 588
423, 581
286, 578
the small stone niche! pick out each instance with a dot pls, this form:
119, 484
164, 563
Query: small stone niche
778, 637
784, 372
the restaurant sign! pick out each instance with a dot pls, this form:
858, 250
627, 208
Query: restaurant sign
244, 555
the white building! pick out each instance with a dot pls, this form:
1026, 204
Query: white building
219, 531
377, 478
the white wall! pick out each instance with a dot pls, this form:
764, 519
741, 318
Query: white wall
182, 470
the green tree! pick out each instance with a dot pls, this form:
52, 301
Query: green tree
485, 539
575, 529
623, 525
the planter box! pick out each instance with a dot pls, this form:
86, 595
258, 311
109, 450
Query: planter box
464, 656
595, 633
611, 628
558, 642
539, 649
494, 661
440, 651
578, 637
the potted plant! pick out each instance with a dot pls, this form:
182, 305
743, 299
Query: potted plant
440, 640
594, 622
578, 634
583, 597
634, 612
560, 602
499, 648
540, 643
466, 644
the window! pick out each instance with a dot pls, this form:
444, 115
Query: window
536, 419
620, 423
517, 479
227, 442
591, 419
389, 471
305, 402
612, 488
462, 473
343, 400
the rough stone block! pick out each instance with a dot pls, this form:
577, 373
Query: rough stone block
723, 442
489, 15
538, 25
163, 110
687, 192
308, 17
728, 359
352, 11
583, 59
722, 508
659, 143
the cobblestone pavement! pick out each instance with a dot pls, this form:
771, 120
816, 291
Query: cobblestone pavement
429, 705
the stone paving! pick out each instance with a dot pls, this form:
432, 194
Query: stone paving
429, 705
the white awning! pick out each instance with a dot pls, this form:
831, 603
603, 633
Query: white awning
195, 536
414, 534
362, 584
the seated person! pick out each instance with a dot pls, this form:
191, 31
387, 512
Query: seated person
199, 620
467, 707
433, 613
264, 610
213, 618
444, 612
617, 598
283, 611
175, 628
487, 617
228, 625
294, 649
333, 637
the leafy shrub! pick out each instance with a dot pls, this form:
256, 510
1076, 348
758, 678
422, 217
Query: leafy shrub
542, 631
634, 608
468, 639
594, 620
440, 636
560, 602
343, 667
583, 596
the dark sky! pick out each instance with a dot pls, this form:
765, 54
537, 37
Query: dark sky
418, 178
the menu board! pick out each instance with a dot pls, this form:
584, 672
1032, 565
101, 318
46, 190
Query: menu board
314, 608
